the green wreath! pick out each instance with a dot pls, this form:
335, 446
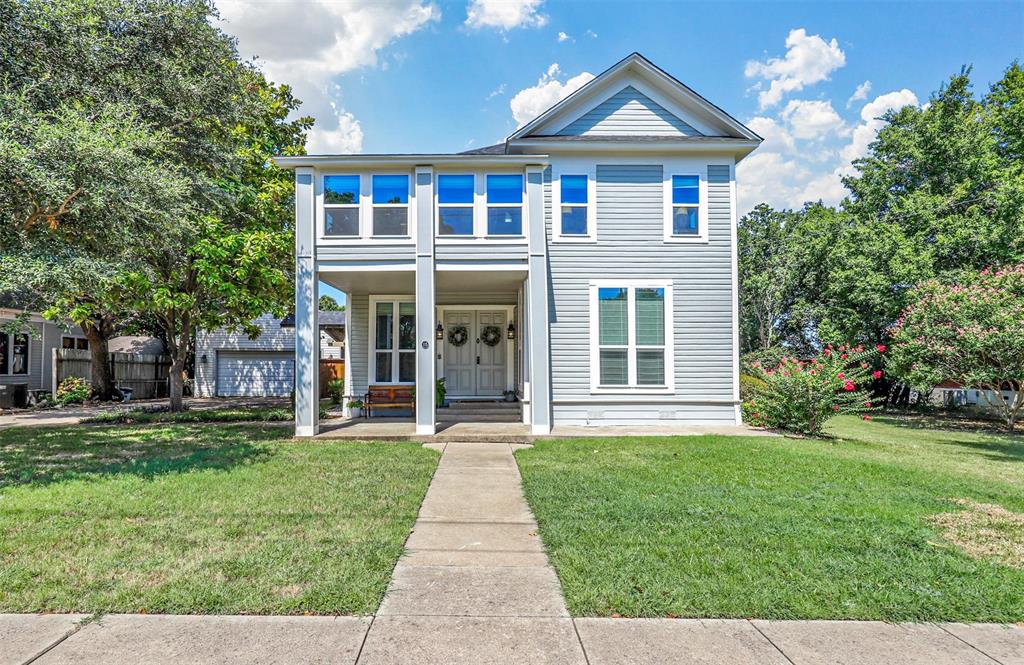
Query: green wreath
458, 336
491, 335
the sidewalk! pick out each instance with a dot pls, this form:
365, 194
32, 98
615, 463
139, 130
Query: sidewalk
475, 587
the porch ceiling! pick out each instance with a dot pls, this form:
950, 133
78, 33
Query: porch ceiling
393, 282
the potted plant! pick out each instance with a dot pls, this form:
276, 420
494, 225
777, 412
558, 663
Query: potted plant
441, 393
510, 395
336, 389
355, 407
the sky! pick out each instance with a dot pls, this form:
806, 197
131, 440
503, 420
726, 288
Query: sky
812, 78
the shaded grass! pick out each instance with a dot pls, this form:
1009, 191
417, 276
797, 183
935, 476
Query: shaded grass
208, 520
229, 415
774, 527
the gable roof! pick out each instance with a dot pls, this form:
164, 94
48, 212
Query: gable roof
646, 71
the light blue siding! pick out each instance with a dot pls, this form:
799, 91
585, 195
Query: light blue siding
630, 245
628, 112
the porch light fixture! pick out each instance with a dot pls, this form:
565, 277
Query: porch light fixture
204, 359
511, 331
439, 333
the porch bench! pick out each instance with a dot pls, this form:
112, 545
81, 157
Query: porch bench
389, 397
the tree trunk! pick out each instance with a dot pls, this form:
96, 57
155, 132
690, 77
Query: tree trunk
100, 375
177, 384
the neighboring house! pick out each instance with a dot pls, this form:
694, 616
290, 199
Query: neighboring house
953, 394
587, 264
229, 364
141, 344
26, 359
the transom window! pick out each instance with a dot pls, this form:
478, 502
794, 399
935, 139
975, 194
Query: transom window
631, 349
390, 205
14, 353
505, 205
79, 343
394, 336
455, 204
341, 205
573, 191
685, 206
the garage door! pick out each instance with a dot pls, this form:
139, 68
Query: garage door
255, 374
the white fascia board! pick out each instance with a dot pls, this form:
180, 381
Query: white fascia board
409, 161
731, 147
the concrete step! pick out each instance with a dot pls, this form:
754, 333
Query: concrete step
480, 412
504, 417
471, 406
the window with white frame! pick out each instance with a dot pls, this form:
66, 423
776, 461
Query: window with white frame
14, 353
631, 336
394, 336
341, 205
390, 205
685, 213
505, 205
455, 204
573, 201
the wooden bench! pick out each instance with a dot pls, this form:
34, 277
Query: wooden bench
389, 397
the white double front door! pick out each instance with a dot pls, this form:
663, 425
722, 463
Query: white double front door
475, 352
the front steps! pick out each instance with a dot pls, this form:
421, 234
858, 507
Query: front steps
480, 412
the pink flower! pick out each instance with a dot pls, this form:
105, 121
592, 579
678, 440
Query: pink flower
867, 404
813, 372
840, 375
828, 352
866, 417
835, 407
844, 356
849, 387
880, 348
877, 374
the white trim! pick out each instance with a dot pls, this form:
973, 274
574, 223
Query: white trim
632, 388
668, 172
371, 346
328, 266
509, 348
734, 261
302, 431
496, 266
10, 355
395, 160
570, 168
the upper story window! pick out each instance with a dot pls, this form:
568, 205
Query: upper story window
79, 343
14, 353
684, 215
505, 205
455, 204
391, 205
574, 204
341, 205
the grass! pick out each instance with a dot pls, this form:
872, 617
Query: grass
201, 519
849, 528
225, 415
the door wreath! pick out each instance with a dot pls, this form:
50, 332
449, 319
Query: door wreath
490, 335
458, 336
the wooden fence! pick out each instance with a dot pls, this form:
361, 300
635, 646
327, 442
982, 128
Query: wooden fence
330, 368
145, 374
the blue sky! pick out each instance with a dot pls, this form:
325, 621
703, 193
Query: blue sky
422, 76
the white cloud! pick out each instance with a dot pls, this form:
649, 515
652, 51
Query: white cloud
500, 90
776, 137
812, 119
809, 59
306, 43
505, 14
590, 33
860, 93
563, 37
530, 102
865, 132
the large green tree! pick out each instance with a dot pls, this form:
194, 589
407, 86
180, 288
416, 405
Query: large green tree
140, 140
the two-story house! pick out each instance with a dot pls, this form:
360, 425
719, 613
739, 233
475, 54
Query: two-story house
588, 263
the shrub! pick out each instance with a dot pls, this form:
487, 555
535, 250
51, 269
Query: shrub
801, 395
72, 390
749, 385
336, 389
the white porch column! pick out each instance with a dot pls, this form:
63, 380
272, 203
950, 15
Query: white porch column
307, 298
537, 305
425, 302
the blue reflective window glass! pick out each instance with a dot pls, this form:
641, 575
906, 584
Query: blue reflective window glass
505, 221
390, 189
684, 221
455, 221
341, 189
504, 189
574, 189
685, 189
455, 189
574, 220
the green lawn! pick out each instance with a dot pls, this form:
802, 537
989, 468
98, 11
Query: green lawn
201, 519
777, 527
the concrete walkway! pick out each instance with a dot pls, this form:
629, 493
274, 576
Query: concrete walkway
475, 587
